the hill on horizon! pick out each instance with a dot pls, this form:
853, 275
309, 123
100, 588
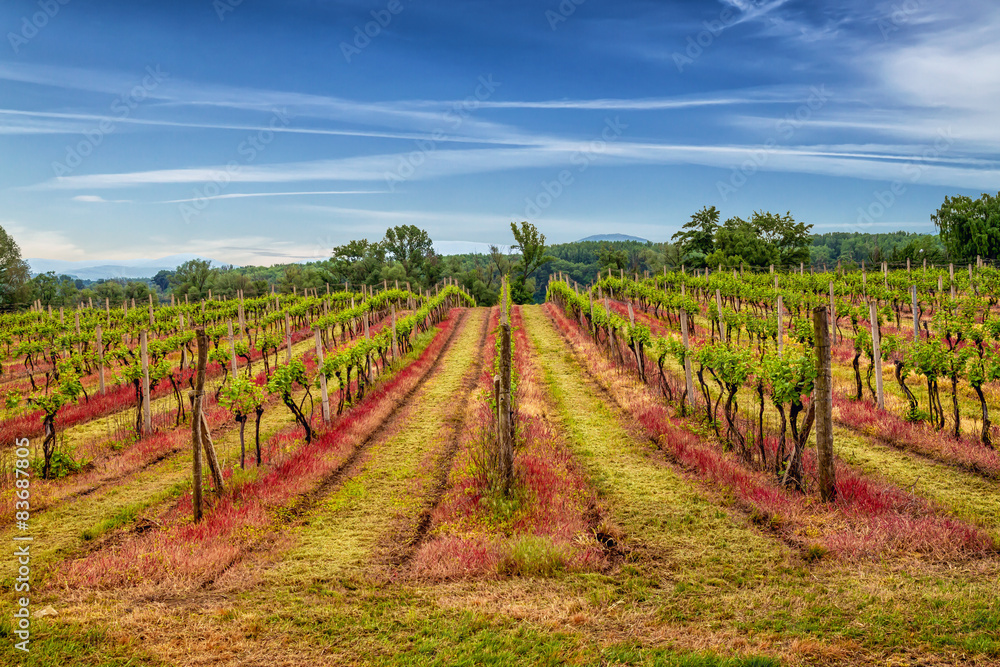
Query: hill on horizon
97, 269
613, 237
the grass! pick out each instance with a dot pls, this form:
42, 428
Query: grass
64, 528
376, 509
477, 530
698, 584
648, 499
966, 495
56, 644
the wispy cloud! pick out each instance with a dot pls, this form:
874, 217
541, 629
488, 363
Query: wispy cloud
243, 195
828, 160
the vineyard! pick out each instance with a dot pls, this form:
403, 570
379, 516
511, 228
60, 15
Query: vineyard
691, 468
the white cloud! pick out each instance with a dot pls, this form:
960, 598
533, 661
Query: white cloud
35, 242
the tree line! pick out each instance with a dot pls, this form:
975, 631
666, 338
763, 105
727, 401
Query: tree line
967, 228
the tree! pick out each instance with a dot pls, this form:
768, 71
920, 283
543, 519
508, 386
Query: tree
162, 279
697, 237
110, 290
739, 241
14, 271
410, 246
357, 262
790, 239
192, 278
970, 227
531, 243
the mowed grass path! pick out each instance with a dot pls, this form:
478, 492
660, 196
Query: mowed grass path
657, 506
376, 507
718, 575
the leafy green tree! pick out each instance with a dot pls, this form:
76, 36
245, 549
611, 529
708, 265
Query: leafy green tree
45, 287
410, 246
970, 227
14, 272
531, 243
357, 262
696, 239
192, 278
110, 290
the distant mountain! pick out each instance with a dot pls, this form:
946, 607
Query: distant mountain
613, 237
96, 269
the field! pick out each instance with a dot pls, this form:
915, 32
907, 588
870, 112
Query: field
646, 524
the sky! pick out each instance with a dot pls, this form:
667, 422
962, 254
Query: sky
264, 131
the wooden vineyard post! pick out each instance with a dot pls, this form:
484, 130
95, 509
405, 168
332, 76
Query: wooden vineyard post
505, 430
781, 327
395, 349
107, 309
288, 338
243, 322
100, 359
324, 395
951, 279
232, 349
824, 406
183, 347
877, 355
688, 380
147, 419
907, 266
833, 317
916, 313
718, 305
591, 313
196, 400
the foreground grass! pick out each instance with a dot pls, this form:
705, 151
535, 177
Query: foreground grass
697, 584
829, 613
388, 491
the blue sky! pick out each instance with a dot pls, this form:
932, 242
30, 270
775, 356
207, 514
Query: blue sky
261, 131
